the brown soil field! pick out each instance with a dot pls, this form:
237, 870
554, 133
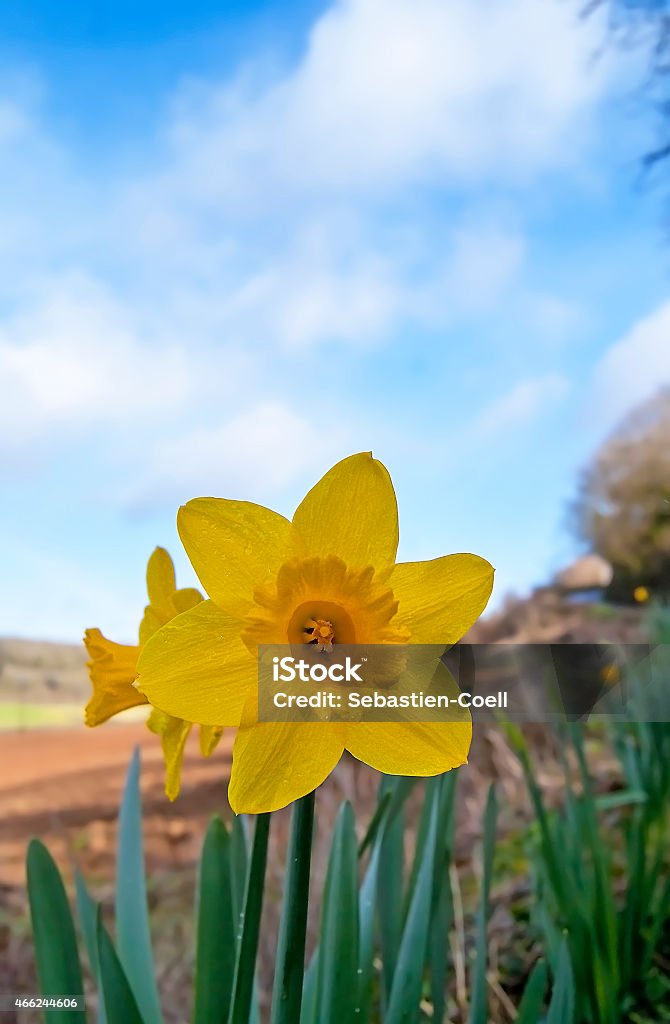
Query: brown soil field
64, 786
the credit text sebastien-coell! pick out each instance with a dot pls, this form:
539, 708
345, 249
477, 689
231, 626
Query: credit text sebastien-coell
287, 670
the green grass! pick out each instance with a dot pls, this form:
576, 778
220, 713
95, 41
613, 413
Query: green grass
17, 715
35, 715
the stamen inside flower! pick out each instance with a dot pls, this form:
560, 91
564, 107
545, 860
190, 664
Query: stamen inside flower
320, 623
319, 632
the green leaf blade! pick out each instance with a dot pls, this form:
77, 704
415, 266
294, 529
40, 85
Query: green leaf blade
337, 969
120, 1003
87, 909
290, 962
56, 953
405, 996
241, 1007
562, 1006
479, 1003
132, 917
532, 1000
215, 949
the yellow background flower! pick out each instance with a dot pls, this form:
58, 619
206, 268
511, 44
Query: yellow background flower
330, 576
112, 669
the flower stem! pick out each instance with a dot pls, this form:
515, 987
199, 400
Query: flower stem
289, 972
243, 983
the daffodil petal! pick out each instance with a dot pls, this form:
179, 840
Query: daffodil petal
197, 668
351, 512
173, 733
187, 597
164, 600
209, 738
410, 748
161, 583
438, 601
154, 618
275, 763
151, 623
234, 547
112, 669
415, 748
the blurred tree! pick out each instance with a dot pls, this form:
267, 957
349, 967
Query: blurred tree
622, 511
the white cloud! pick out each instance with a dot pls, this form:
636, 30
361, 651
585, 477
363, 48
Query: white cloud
521, 405
73, 357
328, 284
633, 368
292, 202
259, 451
391, 89
390, 92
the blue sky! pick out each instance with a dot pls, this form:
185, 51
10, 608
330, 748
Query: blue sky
240, 241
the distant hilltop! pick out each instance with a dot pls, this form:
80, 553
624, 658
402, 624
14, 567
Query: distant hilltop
38, 671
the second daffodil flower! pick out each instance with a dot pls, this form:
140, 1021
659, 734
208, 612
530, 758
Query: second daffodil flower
332, 569
112, 669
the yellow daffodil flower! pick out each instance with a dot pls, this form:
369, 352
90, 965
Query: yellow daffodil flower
329, 574
113, 668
